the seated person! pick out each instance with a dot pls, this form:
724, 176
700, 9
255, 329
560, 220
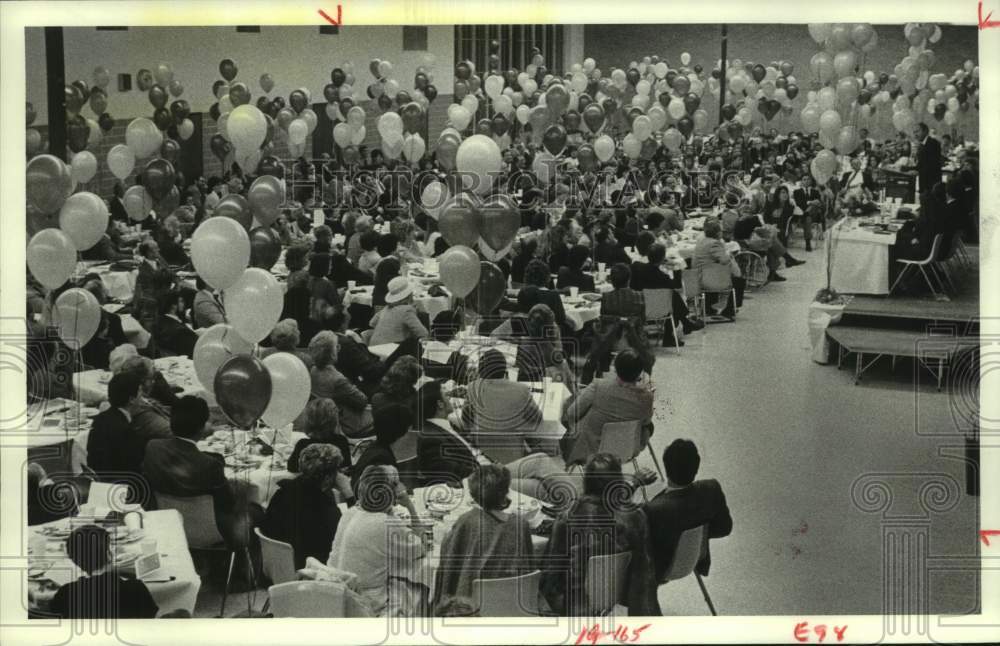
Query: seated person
856, 187
391, 423
387, 269
485, 542
657, 275
443, 454
399, 384
172, 335
437, 359
150, 419
525, 250
372, 542
285, 338
177, 467
809, 200
602, 521
321, 426
100, 593
627, 396
573, 275
710, 250
327, 381
607, 249
751, 233
207, 309
107, 445
47, 501
303, 511
369, 257
171, 242
540, 349
536, 291
685, 504
398, 321
343, 272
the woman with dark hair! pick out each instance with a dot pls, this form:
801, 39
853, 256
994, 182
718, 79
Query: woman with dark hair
485, 542
303, 511
385, 271
526, 252
322, 291
399, 384
437, 359
391, 423
536, 291
327, 381
572, 275
601, 522
653, 274
540, 350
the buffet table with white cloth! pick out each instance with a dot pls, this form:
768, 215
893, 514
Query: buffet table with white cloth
859, 255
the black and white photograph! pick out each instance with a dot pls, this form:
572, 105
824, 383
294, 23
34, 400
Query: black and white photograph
590, 324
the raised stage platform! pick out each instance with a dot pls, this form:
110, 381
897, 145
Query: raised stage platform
930, 332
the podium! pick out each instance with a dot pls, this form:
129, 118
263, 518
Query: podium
900, 184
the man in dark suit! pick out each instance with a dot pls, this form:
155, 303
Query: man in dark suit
107, 444
684, 505
607, 248
177, 467
928, 158
172, 335
443, 455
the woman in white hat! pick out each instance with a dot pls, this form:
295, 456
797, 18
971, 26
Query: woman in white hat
398, 322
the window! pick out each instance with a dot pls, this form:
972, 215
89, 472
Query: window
112, 28
472, 42
414, 39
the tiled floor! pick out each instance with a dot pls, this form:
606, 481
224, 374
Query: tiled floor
789, 439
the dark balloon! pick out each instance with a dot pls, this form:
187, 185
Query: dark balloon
484, 127
487, 295
759, 72
264, 104
297, 99
728, 112
265, 248
214, 111
412, 115
463, 71
792, 91
243, 389
402, 98
216, 86
73, 98
345, 105
632, 76
691, 102
158, 178
686, 126
500, 125
554, 139
144, 80
162, 118
227, 68
77, 133
180, 110
384, 102
106, 122
239, 94
158, 96
331, 94
430, 92
337, 77
572, 120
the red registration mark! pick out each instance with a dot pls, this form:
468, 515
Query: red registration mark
621, 634
804, 633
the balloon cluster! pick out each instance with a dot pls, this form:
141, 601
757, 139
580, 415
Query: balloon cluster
247, 131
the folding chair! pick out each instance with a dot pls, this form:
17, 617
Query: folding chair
277, 561
716, 279
659, 311
624, 440
515, 596
202, 533
920, 264
325, 599
690, 547
607, 577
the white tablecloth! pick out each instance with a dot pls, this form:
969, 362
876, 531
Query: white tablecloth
134, 332
119, 285
167, 528
262, 479
822, 316
859, 257
579, 311
91, 386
